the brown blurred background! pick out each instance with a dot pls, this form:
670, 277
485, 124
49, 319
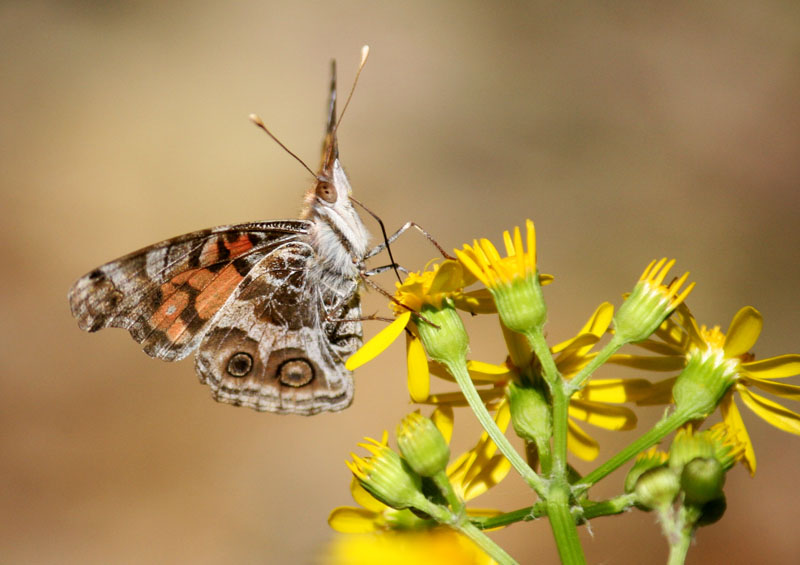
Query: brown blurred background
626, 131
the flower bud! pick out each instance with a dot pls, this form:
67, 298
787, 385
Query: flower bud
649, 303
650, 459
712, 511
703, 382
530, 414
657, 488
447, 343
387, 477
702, 480
422, 444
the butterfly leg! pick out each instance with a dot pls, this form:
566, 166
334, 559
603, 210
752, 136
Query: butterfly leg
392, 238
383, 269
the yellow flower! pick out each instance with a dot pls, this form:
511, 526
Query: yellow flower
682, 340
386, 476
593, 404
471, 474
513, 280
433, 547
443, 282
650, 302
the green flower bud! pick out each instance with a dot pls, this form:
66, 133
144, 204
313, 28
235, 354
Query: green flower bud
702, 480
644, 462
520, 304
422, 444
689, 445
712, 511
387, 477
530, 414
703, 382
657, 488
650, 303
448, 343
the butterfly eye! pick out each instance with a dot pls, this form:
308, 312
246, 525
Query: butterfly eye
326, 191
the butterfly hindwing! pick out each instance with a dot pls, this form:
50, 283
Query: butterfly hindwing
167, 294
281, 342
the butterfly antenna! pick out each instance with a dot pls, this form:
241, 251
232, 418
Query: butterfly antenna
385, 237
364, 55
260, 123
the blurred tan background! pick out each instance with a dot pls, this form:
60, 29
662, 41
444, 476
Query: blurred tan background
626, 131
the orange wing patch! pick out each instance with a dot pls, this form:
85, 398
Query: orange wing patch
214, 295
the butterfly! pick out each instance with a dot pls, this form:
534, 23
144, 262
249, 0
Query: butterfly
271, 308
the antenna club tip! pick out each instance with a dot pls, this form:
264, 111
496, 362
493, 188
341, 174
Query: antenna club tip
256, 120
364, 53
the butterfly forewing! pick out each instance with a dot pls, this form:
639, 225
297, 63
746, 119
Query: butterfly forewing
166, 294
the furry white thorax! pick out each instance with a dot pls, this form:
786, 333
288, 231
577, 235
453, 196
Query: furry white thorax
338, 236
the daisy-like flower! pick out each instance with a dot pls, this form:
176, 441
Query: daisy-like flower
442, 285
596, 403
650, 302
471, 474
514, 280
683, 344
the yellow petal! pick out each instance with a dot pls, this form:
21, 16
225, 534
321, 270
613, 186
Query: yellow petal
481, 372
674, 347
469, 260
494, 471
518, 347
457, 398
789, 392
602, 415
508, 243
660, 393
580, 443
364, 498
419, 380
574, 345
743, 332
732, 419
771, 412
774, 367
378, 343
447, 277
530, 237
615, 391
649, 362
348, 520
546, 279
475, 302
443, 417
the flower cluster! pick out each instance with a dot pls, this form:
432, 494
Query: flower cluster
546, 392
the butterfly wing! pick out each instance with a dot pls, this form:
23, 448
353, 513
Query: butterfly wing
281, 343
168, 294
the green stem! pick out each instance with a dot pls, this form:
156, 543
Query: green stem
456, 504
610, 349
563, 525
460, 523
678, 550
615, 505
485, 543
560, 399
665, 426
562, 522
461, 375
526, 514
590, 510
